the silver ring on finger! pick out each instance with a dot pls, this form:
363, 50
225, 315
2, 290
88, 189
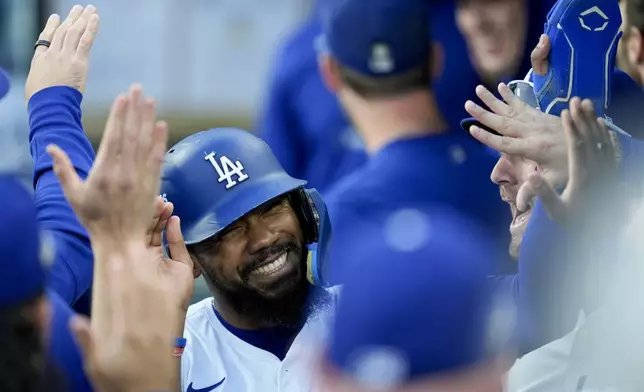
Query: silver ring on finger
42, 42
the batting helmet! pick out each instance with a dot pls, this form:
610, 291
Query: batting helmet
217, 176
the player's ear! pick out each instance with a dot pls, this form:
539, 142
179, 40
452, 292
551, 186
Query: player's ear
330, 72
196, 268
436, 60
635, 46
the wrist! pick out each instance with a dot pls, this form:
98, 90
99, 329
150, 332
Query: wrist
105, 246
179, 326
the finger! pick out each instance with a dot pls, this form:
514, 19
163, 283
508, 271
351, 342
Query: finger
590, 119
539, 56
176, 245
493, 102
575, 110
525, 195
514, 103
64, 169
48, 32
584, 121
553, 203
87, 39
76, 31
148, 122
155, 157
502, 124
158, 209
110, 147
159, 148
132, 127
505, 144
576, 149
61, 32
82, 333
157, 234
607, 142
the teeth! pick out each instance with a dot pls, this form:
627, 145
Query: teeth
274, 266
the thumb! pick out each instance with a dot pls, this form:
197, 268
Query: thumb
64, 170
553, 203
176, 244
80, 328
525, 195
539, 56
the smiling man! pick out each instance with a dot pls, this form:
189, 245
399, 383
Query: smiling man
258, 237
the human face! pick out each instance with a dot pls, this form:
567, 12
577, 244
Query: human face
510, 172
258, 264
629, 48
622, 55
495, 32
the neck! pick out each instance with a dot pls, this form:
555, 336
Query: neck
383, 121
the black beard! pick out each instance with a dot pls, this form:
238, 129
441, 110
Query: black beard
290, 309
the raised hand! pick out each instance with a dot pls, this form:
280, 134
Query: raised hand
524, 131
592, 171
62, 58
117, 200
128, 345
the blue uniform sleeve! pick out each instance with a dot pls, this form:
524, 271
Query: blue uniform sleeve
278, 124
544, 288
55, 118
549, 305
63, 349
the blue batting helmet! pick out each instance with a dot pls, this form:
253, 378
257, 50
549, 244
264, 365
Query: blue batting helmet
217, 176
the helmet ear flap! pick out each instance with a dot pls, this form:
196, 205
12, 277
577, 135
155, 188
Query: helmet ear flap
305, 211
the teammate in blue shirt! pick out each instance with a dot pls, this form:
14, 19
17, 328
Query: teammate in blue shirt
380, 72
500, 35
303, 122
28, 310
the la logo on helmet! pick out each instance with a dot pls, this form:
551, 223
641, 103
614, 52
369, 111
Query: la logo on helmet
226, 169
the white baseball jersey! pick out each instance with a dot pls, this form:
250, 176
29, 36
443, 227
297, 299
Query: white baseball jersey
555, 367
215, 360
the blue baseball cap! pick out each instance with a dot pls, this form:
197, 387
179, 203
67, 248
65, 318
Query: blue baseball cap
419, 302
24, 254
376, 37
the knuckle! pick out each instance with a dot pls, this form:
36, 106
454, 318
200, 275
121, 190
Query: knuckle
75, 30
505, 123
85, 42
124, 184
512, 112
505, 142
103, 184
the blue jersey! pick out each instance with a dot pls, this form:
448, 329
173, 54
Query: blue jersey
63, 349
449, 169
304, 124
55, 117
302, 121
